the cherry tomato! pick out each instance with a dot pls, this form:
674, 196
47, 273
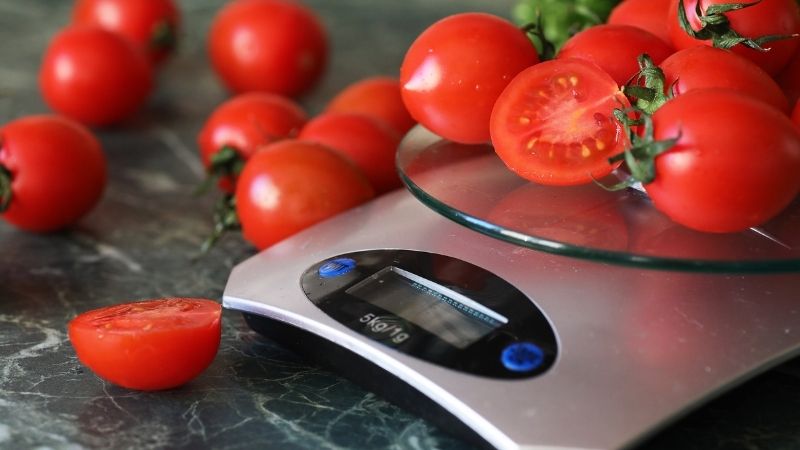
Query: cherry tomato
724, 181
290, 185
720, 68
276, 46
57, 172
148, 345
378, 97
94, 76
767, 17
370, 144
796, 114
646, 14
151, 24
615, 49
245, 123
554, 123
789, 78
455, 70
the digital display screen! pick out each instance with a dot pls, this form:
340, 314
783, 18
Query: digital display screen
447, 314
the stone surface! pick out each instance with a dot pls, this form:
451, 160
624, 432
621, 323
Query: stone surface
141, 242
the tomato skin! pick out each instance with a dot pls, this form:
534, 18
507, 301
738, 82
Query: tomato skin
789, 78
276, 46
554, 123
769, 17
142, 21
370, 144
58, 171
378, 97
724, 181
85, 64
615, 49
290, 185
645, 14
796, 115
455, 70
723, 69
148, 345
247, 122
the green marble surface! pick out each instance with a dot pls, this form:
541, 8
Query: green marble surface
140, 241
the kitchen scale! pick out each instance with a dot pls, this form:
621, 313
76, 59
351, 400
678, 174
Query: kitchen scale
525, 316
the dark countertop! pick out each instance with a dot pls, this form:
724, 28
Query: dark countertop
140, 241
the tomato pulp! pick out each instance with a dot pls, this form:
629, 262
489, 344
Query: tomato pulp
554, 123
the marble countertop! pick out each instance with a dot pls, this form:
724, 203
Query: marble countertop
140, 243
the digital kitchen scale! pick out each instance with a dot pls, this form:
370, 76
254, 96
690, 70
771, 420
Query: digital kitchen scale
525, 316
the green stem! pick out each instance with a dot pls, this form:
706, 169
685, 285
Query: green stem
224, 163
547, 48
225, 219
5, 188
163, 36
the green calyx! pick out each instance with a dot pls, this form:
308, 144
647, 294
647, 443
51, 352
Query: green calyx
225, 163
716, 27
5, 188
648, 86
225, 219
163, 36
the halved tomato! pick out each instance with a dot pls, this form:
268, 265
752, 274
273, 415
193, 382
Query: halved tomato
554, 123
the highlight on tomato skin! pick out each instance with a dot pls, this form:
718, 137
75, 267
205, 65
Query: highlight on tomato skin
554, 123
148, 345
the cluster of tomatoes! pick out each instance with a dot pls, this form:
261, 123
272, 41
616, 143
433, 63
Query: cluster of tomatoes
693, 96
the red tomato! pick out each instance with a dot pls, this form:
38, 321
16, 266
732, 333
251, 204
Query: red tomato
94, 76
370, 144
151, 24
148, 345
455, 70
245, 123
789, 78
724, 181
767, 17
796, 114
57, 172
721, 68
554, 123
377, 97
274, 46
615, 49
290, 185
645, 14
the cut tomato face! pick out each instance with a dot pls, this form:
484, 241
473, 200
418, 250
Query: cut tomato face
554, 123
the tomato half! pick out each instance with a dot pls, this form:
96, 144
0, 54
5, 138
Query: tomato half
276, 46
764, 18
724, 181
455, 70
554, 123
94, 76
151, 24
645, 14
148, 345
378, 97
57, 171
370, 144
290, 185
615, 49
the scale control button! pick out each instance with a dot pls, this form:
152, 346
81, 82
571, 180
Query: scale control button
522, 357
337, 267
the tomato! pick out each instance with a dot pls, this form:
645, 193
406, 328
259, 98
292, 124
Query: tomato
290, 185
554, 123
151, 24
720, 68
455, 70
56, 172
94, 76
789, 78
615, 49
148, 345
243, 124
764, 18
370, 144
646, 14
796, 114
276, 46
378, 97
724, 181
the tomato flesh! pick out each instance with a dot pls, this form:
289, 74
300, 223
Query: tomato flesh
554, 123
148, 345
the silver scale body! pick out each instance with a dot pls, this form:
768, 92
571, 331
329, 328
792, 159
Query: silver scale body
638, 348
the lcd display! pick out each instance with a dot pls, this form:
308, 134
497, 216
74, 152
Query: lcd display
447, 314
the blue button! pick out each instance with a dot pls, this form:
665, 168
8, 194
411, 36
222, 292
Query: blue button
337, 267
522, 357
